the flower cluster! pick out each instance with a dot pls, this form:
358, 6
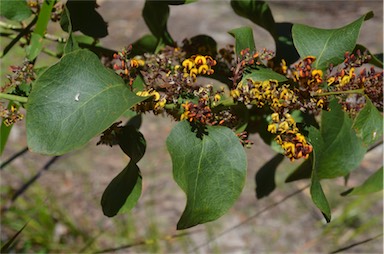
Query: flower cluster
110, 135
198, 64
20, 81
127, 68
352, 77
246, 60
201, 112
10, 115
156, 102
261, 93
288, 136
309, 83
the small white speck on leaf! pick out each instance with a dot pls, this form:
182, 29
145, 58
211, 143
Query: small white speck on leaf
77, 97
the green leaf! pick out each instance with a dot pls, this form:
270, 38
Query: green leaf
368, 123
317, 194
265, 176
85, 18
132, 142
73, 101
374, 183
155, 14
34, 49
262, 74
327, 45
338, 149
211, 171
123, 191
244, 39
17, 10
256, 11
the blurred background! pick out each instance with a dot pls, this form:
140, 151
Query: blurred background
63, 209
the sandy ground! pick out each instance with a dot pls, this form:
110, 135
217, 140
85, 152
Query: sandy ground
78, 179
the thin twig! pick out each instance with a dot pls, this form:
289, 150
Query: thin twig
18, 37
356, 244
13, 157
26, 185
150, 241
250, 218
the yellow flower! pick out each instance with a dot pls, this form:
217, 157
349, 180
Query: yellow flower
200, 60
135, 62
289, 147
283, 127
156, 94
235, 93
317, 72
289, 119
275, 117
142, 93
160, 104
272, 128
331, 80
320, 103
193, 72
203, 69
283, 66
188, 64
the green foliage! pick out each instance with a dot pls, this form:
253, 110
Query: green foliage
369, 124
327, 45
211, 180
337, 149
374, 183
244, 39
34, 49
74, 97
78, 98
17, 10
261, 74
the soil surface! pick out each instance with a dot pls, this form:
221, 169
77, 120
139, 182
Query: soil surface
77, 180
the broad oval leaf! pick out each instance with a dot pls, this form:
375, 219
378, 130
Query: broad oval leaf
327, 45
17, 10
211, 171
369, 123
123, 192
244, 39
73, 101
337, 149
